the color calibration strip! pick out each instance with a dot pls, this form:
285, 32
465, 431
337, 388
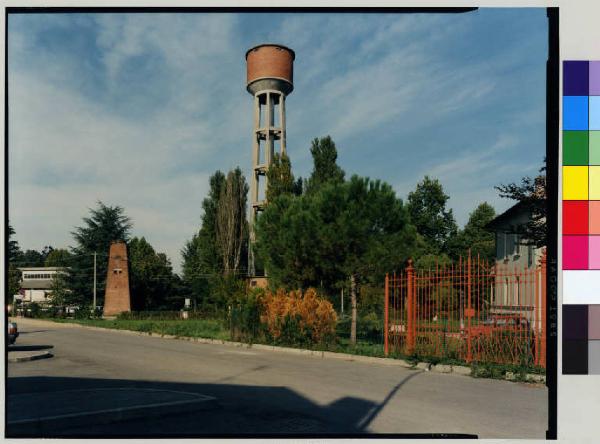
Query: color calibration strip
581, 218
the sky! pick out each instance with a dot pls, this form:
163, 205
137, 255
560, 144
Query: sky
138, 110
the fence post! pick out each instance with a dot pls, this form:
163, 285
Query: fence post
468, 311
386, 309
543, 333
537, 311
410, 308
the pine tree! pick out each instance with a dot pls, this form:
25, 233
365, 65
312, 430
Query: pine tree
428, 213
104, 225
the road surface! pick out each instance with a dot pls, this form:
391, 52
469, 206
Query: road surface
259, 391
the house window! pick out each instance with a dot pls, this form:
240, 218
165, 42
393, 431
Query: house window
508, 245
500, 245
529, 255
517, 244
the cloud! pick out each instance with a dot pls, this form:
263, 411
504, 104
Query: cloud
139, 109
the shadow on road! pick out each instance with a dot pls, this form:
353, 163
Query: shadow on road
28, 347
240, 410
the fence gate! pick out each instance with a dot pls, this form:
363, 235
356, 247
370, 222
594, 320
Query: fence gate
469, 310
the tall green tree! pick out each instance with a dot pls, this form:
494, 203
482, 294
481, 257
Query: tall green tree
59, 257
375, 233
355, 231
30, 258
202, 259
217, 254
14, 276
532, 193
152, 282
60, 295
474, 236
104, 225
13, 245
325, 167
280, 177
428, 213
232, 226
287, 240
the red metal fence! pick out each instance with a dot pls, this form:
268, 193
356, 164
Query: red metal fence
471, 310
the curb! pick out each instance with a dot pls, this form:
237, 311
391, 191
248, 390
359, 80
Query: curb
35, 357
43, 426
459, 370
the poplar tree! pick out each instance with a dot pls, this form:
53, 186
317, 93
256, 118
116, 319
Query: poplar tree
325, 167
280, 177
232, 227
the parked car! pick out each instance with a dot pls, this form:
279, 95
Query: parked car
13, 332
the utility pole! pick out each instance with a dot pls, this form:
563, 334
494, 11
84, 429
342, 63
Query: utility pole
94, 307
342, 301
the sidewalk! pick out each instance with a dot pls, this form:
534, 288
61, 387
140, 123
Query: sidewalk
27, 355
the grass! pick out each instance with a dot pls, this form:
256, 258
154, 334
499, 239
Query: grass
216, 329
194, 328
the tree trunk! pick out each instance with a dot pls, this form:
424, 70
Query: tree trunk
354, 313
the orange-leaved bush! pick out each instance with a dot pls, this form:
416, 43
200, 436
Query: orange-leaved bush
315, 316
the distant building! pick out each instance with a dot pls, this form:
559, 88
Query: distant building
516, 265
36, 284
511, 249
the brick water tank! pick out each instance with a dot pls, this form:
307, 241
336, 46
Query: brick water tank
270, 66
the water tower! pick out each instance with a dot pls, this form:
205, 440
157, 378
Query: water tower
270, 69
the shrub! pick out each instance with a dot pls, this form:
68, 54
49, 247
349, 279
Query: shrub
162, 315
244, 319
35, 310
369, 327
82, 312
297, 319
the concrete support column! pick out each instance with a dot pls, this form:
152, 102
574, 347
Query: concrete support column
282, 121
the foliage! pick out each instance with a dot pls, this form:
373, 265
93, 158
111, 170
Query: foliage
194, 328
428, 213
474, 236
59, 257
201, 256
60, 294
287, 240
325, 168
319, 239
231, 225
35, 310
531, 193
151, 279
83, 312
369, 328
244, 320
280, 177
294, 317
161, 315
203, 260
431, 261
14, 276
14, 281
104, 225
13, 246
30, 258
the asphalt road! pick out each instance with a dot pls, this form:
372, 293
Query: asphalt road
262, 392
